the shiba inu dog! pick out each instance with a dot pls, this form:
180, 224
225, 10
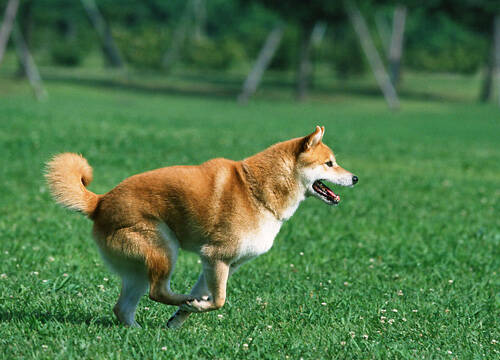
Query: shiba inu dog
226, 211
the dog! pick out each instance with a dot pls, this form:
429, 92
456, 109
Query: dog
226, 211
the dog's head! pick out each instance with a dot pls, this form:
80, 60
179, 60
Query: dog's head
316, 163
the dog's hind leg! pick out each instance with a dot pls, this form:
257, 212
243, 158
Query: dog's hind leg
160, 263
142, 254
133, 287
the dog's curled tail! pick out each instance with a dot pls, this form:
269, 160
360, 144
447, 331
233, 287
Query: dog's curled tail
68, 175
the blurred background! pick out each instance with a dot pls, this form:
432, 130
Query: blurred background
292, 49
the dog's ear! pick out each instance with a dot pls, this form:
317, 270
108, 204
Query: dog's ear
314, 139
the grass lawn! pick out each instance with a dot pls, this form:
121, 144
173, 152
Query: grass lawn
407, 266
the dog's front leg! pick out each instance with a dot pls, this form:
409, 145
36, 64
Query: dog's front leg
216, 273
219, 274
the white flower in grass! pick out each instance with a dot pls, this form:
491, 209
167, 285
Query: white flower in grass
382, 310
365, 336
450, 281
35, 272
105, 279
146, 308
394, 310
269, 327
65, 275
493, 342
51, 258
449, 352
245, 346
414, 310
346, 283
323, 303
164, 348
391, 321
220, 316
400, 293
301, 253
101, 287
3, 276
45, 280
342, 343
45, 347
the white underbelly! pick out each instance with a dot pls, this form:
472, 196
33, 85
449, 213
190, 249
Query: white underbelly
261, 239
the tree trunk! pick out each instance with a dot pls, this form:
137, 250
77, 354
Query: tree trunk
110, 50
372, 55
263, 60
200, 17
384, 31
25, 20
318, 33
304, 70
496, 41
172, 54
8, 22
29, 64
487, 84
396, 49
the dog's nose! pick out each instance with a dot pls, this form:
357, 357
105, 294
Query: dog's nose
354, 179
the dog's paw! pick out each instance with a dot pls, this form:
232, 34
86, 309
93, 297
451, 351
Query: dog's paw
135, 324
197, 305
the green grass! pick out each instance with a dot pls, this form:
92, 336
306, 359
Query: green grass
419, 235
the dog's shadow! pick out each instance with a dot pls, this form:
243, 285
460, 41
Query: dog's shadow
46, 317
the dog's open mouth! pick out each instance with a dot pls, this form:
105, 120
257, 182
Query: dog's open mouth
326, 192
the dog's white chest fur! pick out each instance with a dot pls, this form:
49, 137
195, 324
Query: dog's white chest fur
261, 239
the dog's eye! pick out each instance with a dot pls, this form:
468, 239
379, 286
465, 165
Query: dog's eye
329, 163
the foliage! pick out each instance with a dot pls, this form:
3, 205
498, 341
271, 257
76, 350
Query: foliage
405, 267
205, 53
66, 53
437, 43
347, 57
145, 46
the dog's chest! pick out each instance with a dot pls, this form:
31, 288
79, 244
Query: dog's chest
261, 239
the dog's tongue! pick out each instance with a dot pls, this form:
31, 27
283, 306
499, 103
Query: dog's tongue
330, 192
